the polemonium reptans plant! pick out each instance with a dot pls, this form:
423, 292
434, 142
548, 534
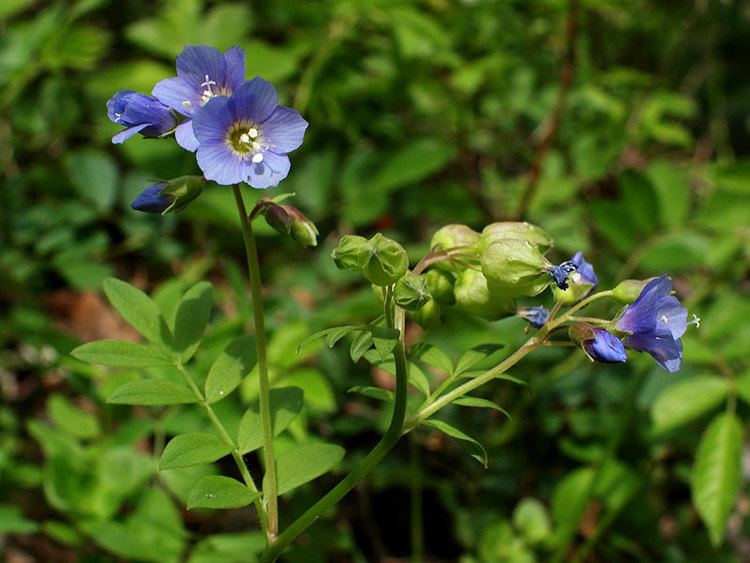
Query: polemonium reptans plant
241, 135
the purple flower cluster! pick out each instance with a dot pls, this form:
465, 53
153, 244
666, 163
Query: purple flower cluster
237, 127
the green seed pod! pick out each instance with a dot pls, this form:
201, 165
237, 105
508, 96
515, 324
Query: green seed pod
411, 292
515, 231
577, 290
428, 315
352, 253
474, 297
452, 236
388, 261
440, 284
183, 191
628, 291
514, 268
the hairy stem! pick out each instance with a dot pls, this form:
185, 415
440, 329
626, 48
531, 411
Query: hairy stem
253, 267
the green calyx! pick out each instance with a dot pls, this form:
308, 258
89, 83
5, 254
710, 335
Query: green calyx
183, 191
515, 231
628, 291
515, 268
411, 292
440, 284
474, 296
460, 237
383, 261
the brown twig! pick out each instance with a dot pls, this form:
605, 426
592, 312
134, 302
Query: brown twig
549, 129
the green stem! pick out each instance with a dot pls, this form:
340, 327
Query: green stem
580, 305
236, 454
253, 266
593, 320
426, 412
386, 443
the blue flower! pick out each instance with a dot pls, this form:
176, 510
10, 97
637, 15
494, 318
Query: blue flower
584, 273
604, 347
139, 114
655, 321
151, 199
536, 316
246, 137
202, 73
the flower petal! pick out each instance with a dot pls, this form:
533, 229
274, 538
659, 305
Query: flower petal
116, 105
660, 345
269, 173
675, 314
220, 164
235, 63
198, 61
125, 134
254, 101
185, 137
605, 347
284, 130
641, 315
173, 91
212, 121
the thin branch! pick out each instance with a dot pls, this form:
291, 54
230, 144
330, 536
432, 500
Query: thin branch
549, 129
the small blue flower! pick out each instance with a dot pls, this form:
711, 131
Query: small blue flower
561, 272
536, 316
139, 114
246, 137
151, 200
584, 273
202, 73
655, 321
604, 347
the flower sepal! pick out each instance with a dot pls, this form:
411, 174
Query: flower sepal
411, 292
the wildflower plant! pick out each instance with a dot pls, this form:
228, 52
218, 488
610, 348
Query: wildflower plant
241, 135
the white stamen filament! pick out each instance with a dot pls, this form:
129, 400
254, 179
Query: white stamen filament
244, 138
186, 103
253, 132
696, 321
118, 116
257, 157
664, 319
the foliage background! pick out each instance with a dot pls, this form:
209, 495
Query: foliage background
620, 127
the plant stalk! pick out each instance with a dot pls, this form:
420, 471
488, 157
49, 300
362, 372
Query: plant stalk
253, 267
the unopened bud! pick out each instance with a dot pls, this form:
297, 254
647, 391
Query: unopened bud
303, 230
514, 268
474, 296
411, 292
171, 196
599, 344
388, 261
278, 219
440, 284
628, 291
523, 231
428, 315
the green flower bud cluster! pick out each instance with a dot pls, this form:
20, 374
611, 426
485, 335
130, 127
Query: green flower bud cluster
486, 271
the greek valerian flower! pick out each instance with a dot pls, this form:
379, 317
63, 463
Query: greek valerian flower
655, 321
604, 347
246, 137
202, 73
139, 113
536, 316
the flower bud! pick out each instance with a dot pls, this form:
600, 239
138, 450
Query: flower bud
474, 297
277, 218
465, 239
599, 344
440, 284
628, 291
535, 316
411, 292
514, 268
169, 197
428, 315
302, 230
352, 253
388, 261
515, 231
